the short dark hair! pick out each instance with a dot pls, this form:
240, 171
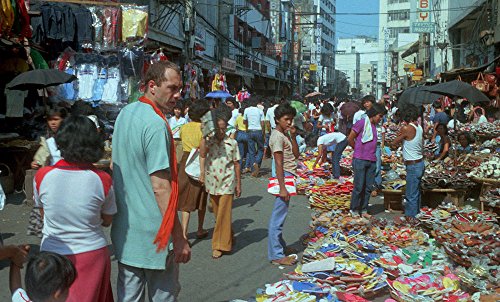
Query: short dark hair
156, 72
376, 109
235, 103
252, 101
57, 111
410, 114
179, 106
444, 126
368, 98
222, 113
284, 109
327, 109
479, 110
198, 109
79, 140
437, 104
467, 137
81, 107
47, 273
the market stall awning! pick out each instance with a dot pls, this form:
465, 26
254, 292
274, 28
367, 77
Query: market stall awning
413, 49
454, 73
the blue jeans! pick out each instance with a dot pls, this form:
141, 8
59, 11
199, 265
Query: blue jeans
242, 139
337, 155
255, 147
364, 177
276, 244
414, 175
378, 170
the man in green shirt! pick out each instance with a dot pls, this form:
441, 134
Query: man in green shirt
142, 181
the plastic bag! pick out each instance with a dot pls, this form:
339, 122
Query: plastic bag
134, 22
2, 197
391, 176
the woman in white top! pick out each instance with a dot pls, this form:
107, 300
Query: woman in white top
175, 122
411, 136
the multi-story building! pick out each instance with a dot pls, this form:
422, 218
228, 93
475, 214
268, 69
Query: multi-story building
315, 30
472, 32
325, 53
394, 19
354, 57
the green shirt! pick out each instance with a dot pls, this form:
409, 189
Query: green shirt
140, 147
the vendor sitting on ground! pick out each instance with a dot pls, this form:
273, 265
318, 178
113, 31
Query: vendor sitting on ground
331, 139
464, 143
442, 138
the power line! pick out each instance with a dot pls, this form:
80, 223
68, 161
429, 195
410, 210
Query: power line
349, 13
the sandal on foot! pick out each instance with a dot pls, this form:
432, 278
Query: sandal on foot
216, 254
287, 261
202, 235
290, 250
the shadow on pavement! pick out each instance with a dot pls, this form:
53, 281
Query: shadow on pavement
15, 199
249, 201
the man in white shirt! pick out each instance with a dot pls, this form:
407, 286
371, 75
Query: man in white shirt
254, 120
270, 123
339, 141
366, 103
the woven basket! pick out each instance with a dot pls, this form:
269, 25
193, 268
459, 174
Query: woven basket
6, 179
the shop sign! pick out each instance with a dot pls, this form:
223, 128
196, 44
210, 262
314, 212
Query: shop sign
424, 10
423, 27
410, 67
423, 22
313, 67
228, 64
417, 72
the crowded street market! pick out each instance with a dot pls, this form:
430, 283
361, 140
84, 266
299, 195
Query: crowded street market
113, 132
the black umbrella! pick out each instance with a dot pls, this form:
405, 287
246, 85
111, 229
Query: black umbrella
416, 96
39, 79
461, 89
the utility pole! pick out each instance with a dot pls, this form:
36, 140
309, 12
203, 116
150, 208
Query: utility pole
189, 21
292, 48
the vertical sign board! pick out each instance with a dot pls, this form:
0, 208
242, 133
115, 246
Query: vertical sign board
423, 23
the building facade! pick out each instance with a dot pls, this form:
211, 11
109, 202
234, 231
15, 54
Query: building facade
355, 57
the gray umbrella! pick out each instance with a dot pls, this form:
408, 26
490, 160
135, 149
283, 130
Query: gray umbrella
460, 89
416, 96
39, 79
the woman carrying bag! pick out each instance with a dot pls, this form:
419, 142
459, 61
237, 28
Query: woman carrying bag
192, 195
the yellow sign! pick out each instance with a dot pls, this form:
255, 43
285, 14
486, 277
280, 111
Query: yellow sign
416, 78
410, 67
417, 72
313, 67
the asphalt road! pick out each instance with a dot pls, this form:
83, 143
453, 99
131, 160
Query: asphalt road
237, 275
234, 276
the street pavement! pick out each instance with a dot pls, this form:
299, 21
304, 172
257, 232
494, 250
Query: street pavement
234, 276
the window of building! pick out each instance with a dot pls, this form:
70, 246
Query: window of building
398, 1
394, 31
398, 15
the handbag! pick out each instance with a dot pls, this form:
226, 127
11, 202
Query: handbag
481, 84
273, 187
193, 164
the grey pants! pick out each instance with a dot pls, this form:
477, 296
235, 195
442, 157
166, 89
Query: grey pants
162, 285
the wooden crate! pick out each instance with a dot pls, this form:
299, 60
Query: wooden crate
393, 200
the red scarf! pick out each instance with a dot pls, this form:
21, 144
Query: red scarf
167, 224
